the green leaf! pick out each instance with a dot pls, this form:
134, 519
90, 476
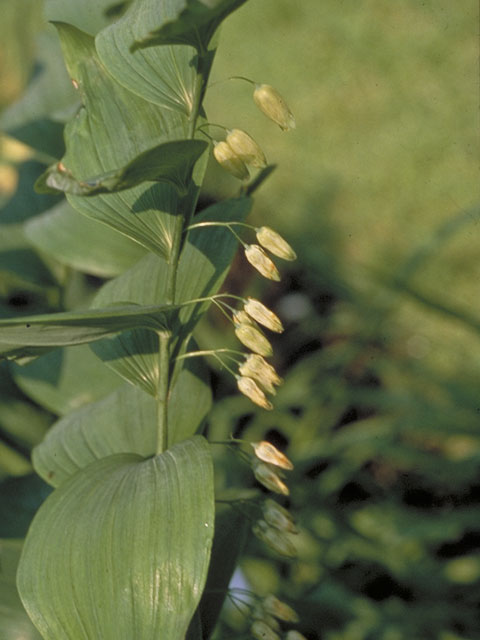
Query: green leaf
134, 354
112, 128
65, 379
14, 621
27, 336
126, 537
12, 462
122, 422
82, 243
165, 76
203, 265
125, 421
24, 276
171, 162
192, 22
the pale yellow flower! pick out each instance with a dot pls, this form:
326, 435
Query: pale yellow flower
254, 339
261, 371
228, 159
273, 106
262, 263
273, 241
246, 148
262, 314
250, 389
267, 452
269, 478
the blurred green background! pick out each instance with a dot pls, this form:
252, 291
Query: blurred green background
378, 191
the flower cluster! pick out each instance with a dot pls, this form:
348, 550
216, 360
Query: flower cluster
239, 150
268, 616
276, 526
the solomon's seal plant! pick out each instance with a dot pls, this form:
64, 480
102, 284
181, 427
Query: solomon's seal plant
122, 547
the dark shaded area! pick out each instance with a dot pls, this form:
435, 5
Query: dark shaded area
19, 500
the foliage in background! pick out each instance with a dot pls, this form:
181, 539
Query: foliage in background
379, 410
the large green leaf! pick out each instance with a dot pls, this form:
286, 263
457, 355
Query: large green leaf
113, 127
170, 162
82, 243
191, 22
134, 354
203, 265
165, 76
31, 335
65, 379
14, 621
123, 422
121, 550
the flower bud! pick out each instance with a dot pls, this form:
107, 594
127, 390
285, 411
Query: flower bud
246, 148
240, 317
273, 241
273, 106
228, 159
250, 389
254, 339
276, 540
294, 635
263, 373
269, 478
263, 315
278, 517
262, 263
261, 631
279, 609
259, 613
266, 452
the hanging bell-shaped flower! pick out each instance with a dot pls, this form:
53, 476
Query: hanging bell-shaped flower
228, 159
263, 315
279, 609
246, 148
260, 630
274, 538
267, 452
254, 339
273, 106
261, 371
269, 478
278, 517
273, 241
250, 389
262, 263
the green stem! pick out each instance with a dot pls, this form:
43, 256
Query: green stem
162, 391
173, 259
182, 219
183, 216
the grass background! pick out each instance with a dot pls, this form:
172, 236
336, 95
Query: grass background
386, 97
